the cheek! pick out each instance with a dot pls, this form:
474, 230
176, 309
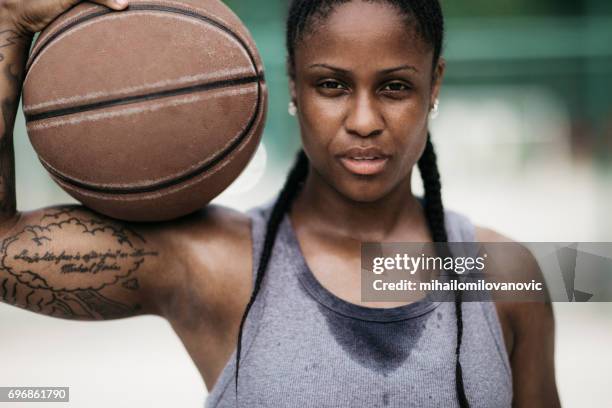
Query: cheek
407, 120
320, 120
409, 127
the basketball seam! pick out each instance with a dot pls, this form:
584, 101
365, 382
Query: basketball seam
89, 20
194, 168
177, 187
43, 36
227, 83
177, 180
150, 107
132, 89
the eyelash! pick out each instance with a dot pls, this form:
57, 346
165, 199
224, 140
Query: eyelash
406, 87
329, 81
323, 85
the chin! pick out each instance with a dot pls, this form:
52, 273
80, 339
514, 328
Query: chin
366, 191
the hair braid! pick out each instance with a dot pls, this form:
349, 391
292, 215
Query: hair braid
281, 207
434, 211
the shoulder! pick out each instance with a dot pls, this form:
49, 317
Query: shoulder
208, 236
484, 234
213, 266
514, 260
216, 239
214, 223
529, 329
528, 323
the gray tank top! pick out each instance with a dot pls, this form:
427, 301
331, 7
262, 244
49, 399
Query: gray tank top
305, 347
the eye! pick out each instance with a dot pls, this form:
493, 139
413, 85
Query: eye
396, 87
330, 84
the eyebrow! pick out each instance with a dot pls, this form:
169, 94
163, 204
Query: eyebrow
384, 71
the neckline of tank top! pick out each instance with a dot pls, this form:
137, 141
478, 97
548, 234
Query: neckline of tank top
351, 310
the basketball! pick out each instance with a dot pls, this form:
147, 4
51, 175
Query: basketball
149, 113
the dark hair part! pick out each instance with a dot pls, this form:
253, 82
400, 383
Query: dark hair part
427, 15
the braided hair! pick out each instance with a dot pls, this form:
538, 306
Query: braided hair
426, 15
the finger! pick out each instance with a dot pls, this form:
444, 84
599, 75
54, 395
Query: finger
113, 4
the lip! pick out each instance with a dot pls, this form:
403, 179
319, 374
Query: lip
366, 161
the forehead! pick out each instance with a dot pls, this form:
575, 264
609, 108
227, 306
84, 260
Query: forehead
359, 32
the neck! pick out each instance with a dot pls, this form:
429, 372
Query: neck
330, 212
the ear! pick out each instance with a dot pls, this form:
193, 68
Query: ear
438, 77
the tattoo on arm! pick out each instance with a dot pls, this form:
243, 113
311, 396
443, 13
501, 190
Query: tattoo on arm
74, 264
8, 38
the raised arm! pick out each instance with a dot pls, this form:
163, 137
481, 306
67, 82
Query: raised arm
66, 261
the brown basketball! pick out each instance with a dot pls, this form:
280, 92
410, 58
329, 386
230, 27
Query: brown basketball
149, 113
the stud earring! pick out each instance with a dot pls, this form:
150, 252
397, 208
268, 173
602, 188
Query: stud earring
292, 108
435, 111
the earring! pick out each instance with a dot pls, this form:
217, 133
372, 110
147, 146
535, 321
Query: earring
292, 108
435, 111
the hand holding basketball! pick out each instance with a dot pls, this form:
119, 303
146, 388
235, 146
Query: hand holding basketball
31, 16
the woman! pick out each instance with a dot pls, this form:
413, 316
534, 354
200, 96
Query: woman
364, 77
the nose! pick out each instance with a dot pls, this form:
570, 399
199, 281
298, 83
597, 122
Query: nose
364, 119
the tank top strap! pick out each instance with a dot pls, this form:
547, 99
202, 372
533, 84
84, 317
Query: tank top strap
259, 219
